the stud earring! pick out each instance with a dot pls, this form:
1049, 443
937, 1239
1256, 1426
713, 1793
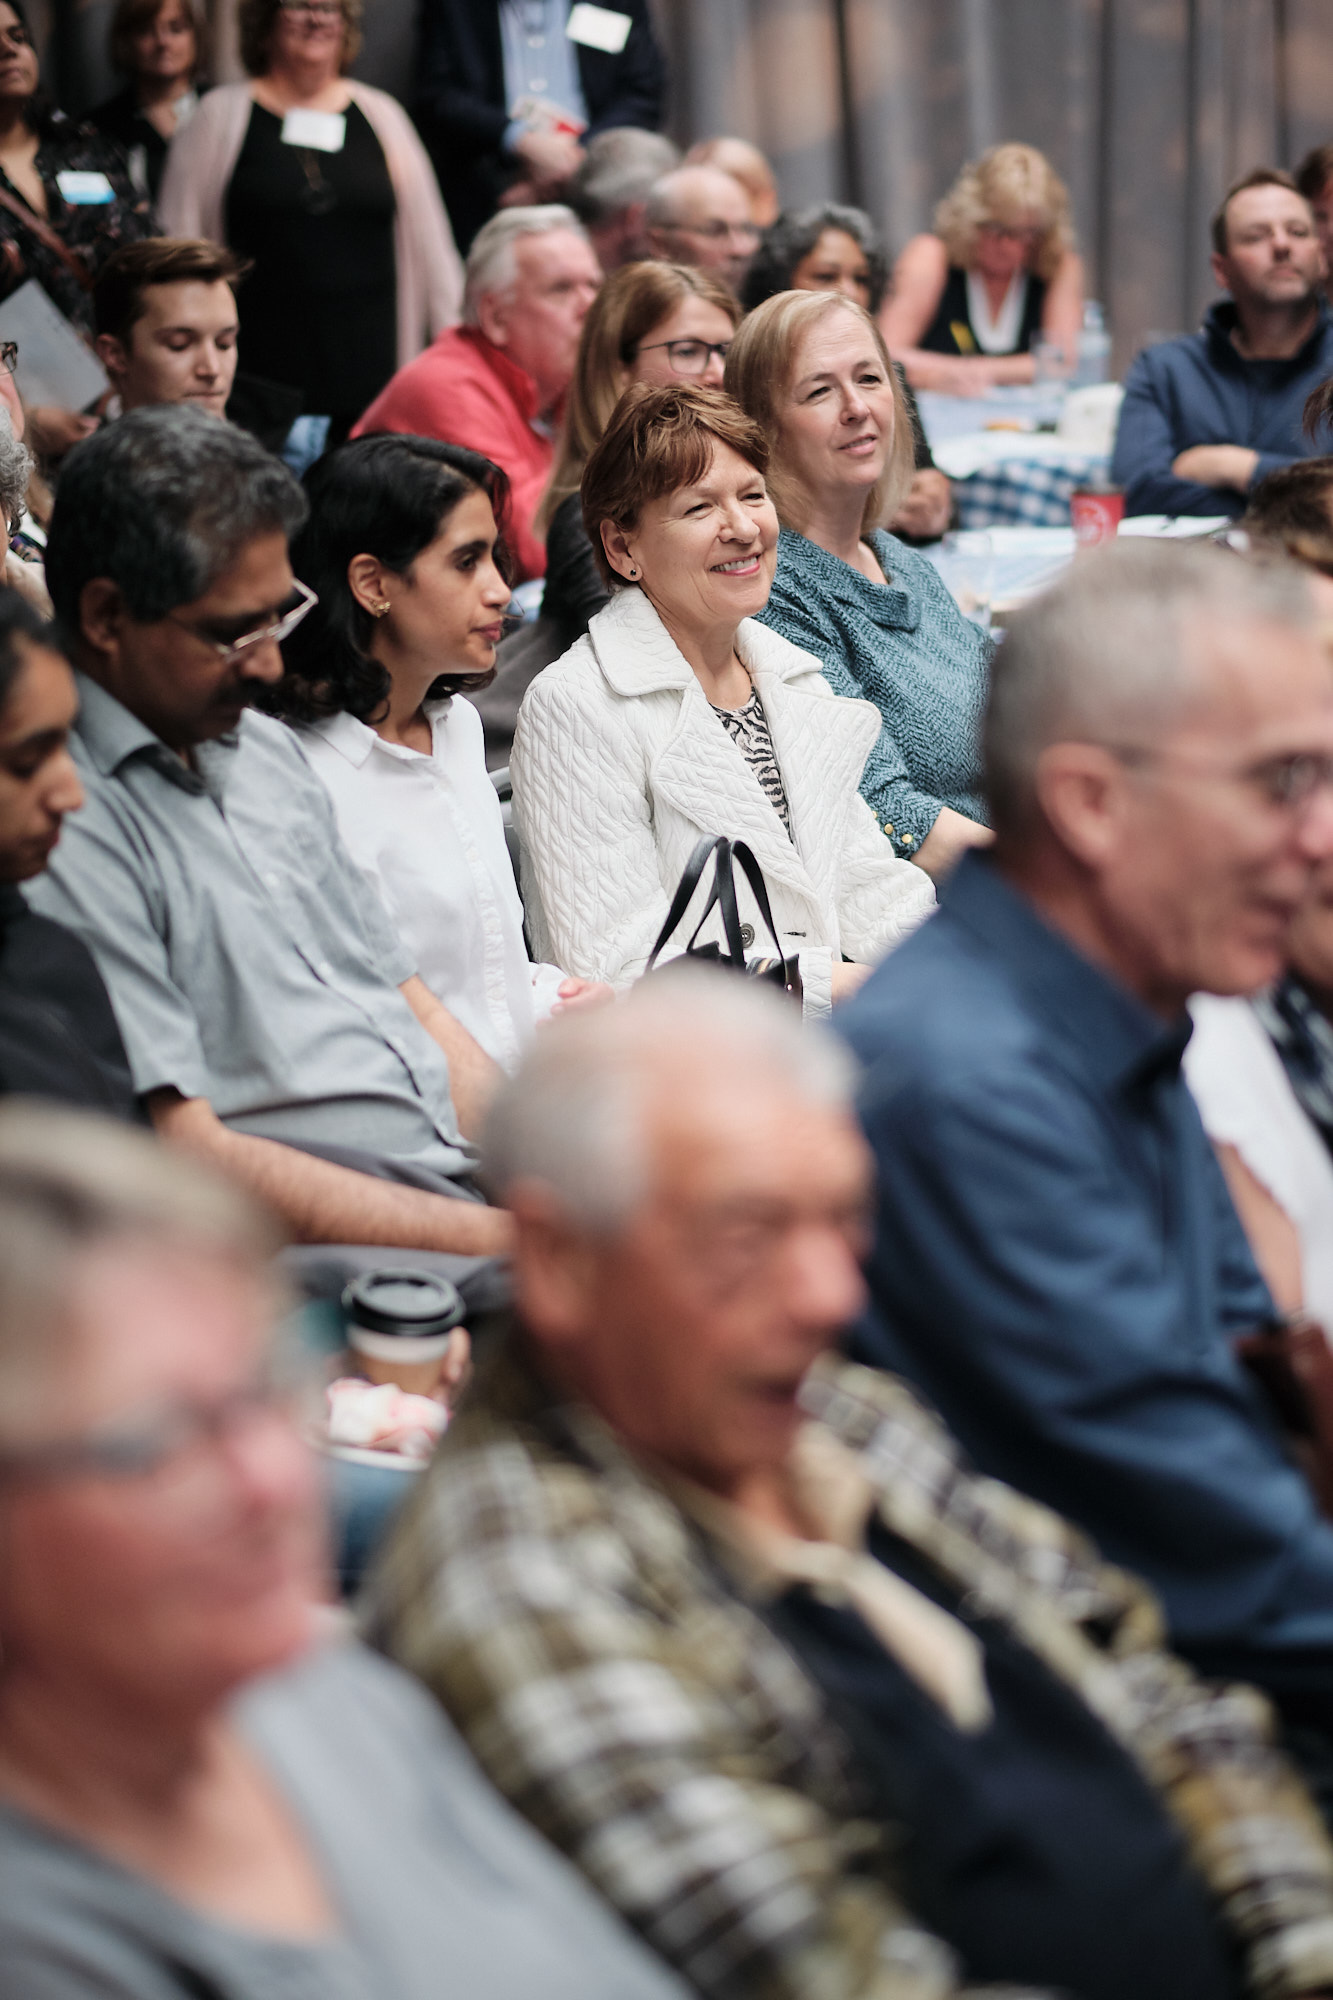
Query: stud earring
380, 611
633, 574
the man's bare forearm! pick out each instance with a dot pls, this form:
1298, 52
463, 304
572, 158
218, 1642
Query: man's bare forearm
324, 1203
473, 1075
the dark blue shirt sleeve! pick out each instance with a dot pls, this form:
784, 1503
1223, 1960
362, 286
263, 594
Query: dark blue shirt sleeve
1146, 447
1018, 1280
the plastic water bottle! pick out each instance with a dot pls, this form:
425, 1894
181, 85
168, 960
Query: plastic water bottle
1094, 348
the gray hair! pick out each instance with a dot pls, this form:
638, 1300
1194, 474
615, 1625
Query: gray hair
15, 472
573, 1117
620, 166
491, 262
162, 502
1105, 655
71, 1183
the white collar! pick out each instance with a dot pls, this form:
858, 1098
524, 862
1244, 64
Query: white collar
356, 740
637, 654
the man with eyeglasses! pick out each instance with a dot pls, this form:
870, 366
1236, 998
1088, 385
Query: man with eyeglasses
1057, 1260
701, 216
272, 1019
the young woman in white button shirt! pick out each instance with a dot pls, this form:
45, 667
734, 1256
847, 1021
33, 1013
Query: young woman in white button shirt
404, 546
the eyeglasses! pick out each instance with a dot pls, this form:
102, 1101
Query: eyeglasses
689, 357
324, 9
231, 649
9, 355
713, 232
170, 1442
1288, 783
1010, 232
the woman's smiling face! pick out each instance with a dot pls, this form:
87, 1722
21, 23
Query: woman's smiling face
706, 553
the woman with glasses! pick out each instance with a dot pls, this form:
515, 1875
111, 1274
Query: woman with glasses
206, 1787
324, 185
160, 47
404, 548
654, 323
1000, 271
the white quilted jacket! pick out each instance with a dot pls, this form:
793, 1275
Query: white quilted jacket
619, 765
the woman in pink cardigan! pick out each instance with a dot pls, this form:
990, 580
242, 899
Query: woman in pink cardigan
323, 183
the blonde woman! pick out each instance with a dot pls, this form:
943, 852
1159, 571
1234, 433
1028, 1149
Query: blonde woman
812, 371
1000, 271
651, 322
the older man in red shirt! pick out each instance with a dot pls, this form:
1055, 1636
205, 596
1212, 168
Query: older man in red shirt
496, 383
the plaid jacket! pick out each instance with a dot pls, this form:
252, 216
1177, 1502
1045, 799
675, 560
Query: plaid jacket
622, 1694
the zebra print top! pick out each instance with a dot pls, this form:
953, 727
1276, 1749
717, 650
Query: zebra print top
749, 727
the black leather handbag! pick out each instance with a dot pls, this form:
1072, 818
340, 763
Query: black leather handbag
721, 852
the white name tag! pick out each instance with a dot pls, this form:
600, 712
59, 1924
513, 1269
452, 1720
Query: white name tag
85, 190
321, 131
598, 28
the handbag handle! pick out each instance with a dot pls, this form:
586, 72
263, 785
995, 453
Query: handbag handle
704, 849
42, 230
754, 875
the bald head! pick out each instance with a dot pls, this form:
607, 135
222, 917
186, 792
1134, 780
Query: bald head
699, 215
746, 164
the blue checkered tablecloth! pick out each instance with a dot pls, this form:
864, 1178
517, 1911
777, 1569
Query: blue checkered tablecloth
1025, 492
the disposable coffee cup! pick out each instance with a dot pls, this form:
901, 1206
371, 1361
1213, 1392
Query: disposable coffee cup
398, 1326
1096, 513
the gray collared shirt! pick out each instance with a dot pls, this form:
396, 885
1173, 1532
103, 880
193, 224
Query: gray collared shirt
249, 961
540, 61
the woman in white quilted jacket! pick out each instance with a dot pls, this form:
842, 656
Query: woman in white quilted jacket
678, 715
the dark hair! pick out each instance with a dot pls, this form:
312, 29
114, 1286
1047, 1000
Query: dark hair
1292, 510
256, 20
158, 260
19, 621
1315, 172
659, 440
133, 16
162, 502
1259, 177
789, 241
385, 496
40, 113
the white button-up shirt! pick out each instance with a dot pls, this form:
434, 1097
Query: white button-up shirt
428, 832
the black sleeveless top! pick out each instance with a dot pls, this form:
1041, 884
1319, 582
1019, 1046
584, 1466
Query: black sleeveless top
951, 331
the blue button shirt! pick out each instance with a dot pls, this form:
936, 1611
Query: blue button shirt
1058, 1265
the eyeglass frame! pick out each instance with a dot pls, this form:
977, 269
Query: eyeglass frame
264, 634
1308, 772
710, 347
713, 232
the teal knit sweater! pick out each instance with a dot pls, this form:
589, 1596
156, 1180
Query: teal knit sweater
906, 647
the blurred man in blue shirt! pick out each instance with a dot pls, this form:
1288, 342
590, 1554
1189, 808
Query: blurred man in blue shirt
1057, 1261
1206, 417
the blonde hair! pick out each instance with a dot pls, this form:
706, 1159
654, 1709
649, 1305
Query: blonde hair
1005, 184
633, 301
759, 370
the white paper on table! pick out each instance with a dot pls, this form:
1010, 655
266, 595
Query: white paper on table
55, 364
1175, 527
960, 457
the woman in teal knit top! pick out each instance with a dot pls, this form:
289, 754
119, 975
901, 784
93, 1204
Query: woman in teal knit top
812, 368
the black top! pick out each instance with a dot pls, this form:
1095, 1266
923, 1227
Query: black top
952, 332
460, 101
58, 1035
1035, 1847
91, 230
574, 591
122, 121
318, 311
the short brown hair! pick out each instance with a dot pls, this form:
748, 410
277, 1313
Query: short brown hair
133, 16
255, 20
1315, 172
129, 272
1257, 178
759, 368
657, 441
1292, 510
630, 304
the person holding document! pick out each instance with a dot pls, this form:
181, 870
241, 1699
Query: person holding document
323, 184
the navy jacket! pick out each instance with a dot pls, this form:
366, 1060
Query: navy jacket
1058, 1266
1199, 390
460, 104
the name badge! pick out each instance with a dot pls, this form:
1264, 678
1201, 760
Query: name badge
598, 28
85, 190
320, 131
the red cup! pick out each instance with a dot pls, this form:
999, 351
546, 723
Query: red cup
1096, 516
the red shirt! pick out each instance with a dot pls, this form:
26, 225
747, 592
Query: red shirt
465, 390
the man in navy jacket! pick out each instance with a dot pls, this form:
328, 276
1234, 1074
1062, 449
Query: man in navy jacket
1206, 417
1057, 1262
480, 60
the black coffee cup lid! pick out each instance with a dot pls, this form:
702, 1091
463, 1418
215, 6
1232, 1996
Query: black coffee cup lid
414, 1303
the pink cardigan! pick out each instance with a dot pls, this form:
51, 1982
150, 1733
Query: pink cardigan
203, 156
